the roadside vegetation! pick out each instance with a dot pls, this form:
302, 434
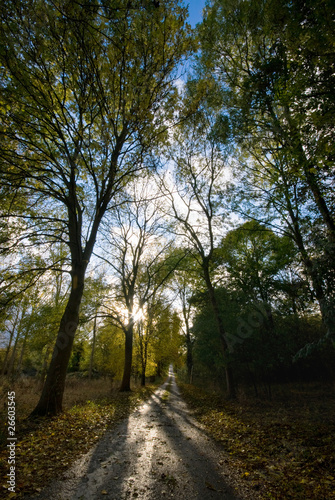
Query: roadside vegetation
283, 448
46, 448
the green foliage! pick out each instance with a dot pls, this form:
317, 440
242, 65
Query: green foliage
254, 256
264, 312
273, 66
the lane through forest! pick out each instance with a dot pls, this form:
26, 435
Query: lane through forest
160, 451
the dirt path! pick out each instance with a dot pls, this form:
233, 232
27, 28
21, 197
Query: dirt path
159, 452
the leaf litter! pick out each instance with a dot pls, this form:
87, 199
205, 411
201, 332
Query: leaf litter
47, 447
282, 449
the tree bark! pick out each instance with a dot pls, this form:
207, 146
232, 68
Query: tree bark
231, 392
51, 399
189, 356
93, 348
125, 384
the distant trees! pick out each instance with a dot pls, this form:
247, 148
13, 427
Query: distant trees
136, 249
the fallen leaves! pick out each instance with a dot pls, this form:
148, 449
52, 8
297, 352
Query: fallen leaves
48, 447
283, 451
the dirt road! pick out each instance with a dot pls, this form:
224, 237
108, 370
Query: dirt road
158, 452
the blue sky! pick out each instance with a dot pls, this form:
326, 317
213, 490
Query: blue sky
195, 11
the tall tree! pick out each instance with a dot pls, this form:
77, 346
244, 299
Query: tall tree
84, 91
273, 64
198, 208
184, 285
137, 243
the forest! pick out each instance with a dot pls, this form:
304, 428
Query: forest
167, 197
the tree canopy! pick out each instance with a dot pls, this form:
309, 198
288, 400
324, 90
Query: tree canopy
167, 194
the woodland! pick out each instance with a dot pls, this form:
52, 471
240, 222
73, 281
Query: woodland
167, 197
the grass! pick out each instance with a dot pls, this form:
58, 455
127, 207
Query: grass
284, 449
46, 448
28, 391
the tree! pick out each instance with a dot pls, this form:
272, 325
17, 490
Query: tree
184, 285
37, 313
145, 333
184, 294
84, 92
272, 65
265, 305
108, 353
197, 206
136, 240
95, 291
253, 257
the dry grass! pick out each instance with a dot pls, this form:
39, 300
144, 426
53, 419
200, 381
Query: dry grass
28, 391
91, 407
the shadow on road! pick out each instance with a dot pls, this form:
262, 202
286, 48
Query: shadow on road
158, 452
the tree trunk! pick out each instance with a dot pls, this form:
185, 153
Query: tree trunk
10, 370
189, 356
93, 348
231, 393
143, 376
125, 384
51, 400
320, 201
308, 167
327, 312
19, 365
